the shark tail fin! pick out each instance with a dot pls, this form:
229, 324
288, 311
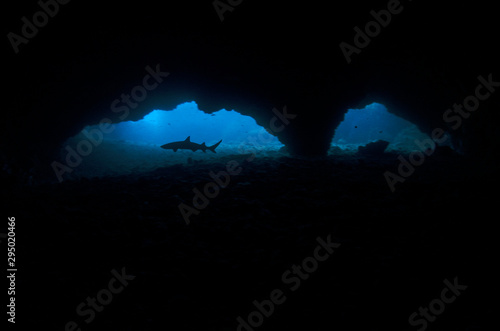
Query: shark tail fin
213, 147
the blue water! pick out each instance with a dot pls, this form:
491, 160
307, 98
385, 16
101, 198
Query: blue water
134, 146
372, 123
160, 127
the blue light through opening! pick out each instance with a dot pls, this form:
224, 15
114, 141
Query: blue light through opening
134, 146
160, 127
372, 123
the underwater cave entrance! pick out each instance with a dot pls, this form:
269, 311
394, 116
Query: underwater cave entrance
373, 123
135, 146
160, 127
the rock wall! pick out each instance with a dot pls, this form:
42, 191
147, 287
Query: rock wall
68, 71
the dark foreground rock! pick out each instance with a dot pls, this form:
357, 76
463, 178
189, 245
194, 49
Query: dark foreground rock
396, 249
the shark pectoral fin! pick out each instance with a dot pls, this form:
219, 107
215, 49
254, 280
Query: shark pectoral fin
175, 149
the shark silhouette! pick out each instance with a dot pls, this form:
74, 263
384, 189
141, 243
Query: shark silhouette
187, 144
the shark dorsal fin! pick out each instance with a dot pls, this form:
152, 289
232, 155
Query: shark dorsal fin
188, 138
203, 144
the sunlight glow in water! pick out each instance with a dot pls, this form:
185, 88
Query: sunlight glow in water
372, 123
160, 127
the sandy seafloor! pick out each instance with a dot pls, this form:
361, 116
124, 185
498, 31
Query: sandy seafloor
396, 249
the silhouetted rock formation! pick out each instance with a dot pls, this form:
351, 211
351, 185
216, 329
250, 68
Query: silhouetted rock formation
262, 56
375, 148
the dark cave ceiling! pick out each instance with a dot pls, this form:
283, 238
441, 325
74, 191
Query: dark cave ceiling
317, 60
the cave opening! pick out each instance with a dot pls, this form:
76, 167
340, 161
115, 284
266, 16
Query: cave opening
136, 146
373, 123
